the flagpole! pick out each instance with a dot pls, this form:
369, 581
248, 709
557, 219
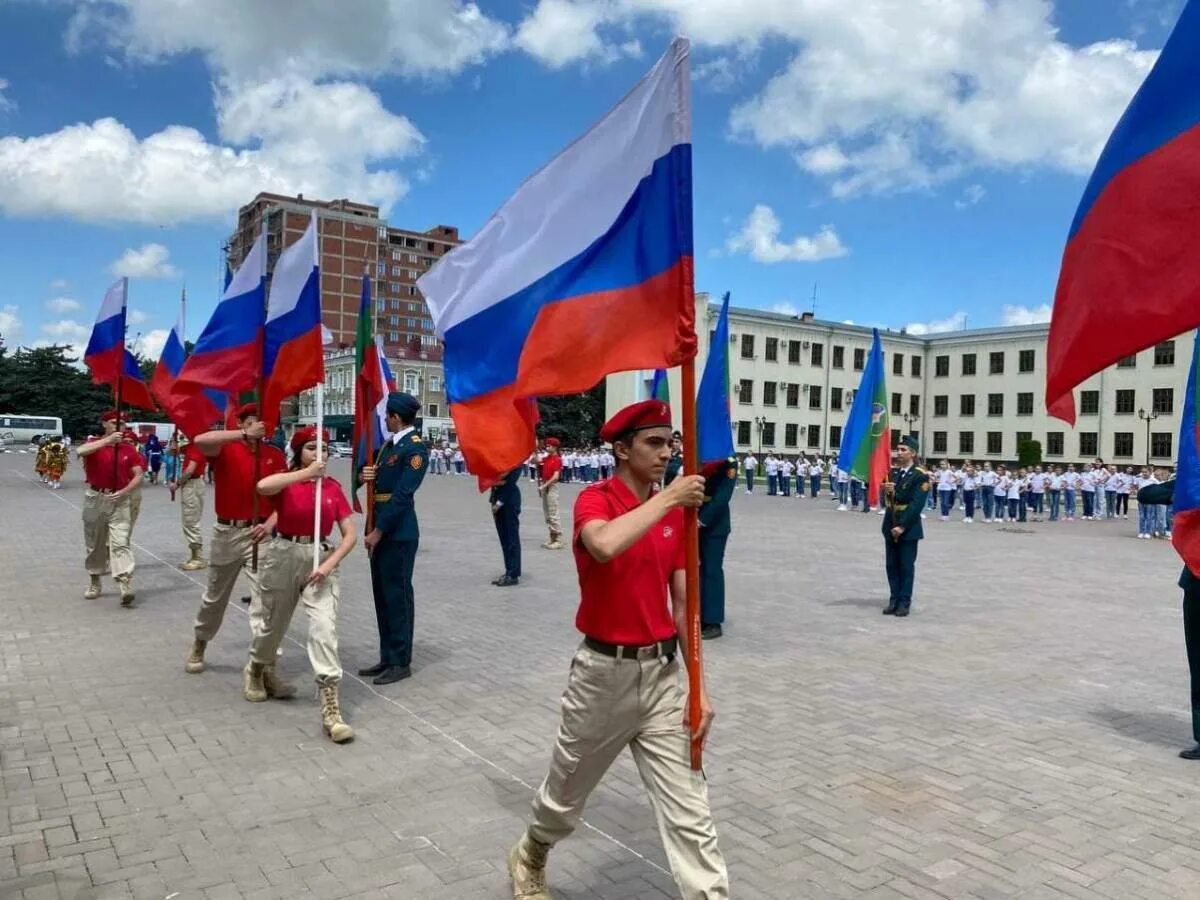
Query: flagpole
120, 376
691, 537
259, 400
317, 505
183, 342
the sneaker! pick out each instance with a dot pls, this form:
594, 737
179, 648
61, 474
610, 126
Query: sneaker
841, 507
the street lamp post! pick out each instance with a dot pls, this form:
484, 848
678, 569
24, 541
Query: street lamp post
1147, 417
909, 419
760, 422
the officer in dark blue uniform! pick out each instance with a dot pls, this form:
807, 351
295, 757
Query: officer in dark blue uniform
720, 479
505, 499
905, 494
675, 463
398, 471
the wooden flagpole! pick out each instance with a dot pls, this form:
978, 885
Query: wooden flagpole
120, 379
691, 537
317, 505
175, 433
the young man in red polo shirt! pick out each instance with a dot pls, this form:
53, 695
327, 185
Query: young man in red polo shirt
231, 456
112, 469
623, 689
192, 467
549, 477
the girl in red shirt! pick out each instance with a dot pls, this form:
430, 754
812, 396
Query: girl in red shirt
287, 576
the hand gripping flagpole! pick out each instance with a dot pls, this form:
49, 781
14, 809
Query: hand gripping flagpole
317, 505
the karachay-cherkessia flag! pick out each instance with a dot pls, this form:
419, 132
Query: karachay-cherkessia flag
714, 427
866, 449
1130, 274
369, 390
1185, 527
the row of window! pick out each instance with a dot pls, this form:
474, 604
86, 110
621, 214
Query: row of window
427, 340
791, 434
411, 323
1162, 403
1161, 444
343, 379
816, 353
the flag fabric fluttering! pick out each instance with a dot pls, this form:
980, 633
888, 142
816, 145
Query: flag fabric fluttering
1185, 527
293, 355
660, 387
105, 353
227, 357
714, 423
586, 270
133, 389
866, 449
1130, 274
170, 363
369, 389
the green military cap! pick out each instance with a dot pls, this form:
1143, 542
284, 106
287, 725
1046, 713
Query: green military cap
910, 441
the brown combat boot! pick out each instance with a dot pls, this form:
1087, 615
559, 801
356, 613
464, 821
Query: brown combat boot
252, 683
527, 868
195, 660
275, 686
196, 561
331, 715
126, 585
93, 590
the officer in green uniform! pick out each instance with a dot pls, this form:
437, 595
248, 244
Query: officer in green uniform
675, 463
720, 478
398, 471
905, 495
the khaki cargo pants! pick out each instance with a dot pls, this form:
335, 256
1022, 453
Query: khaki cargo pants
283, 569
191, 510
107, 533
550, 508
611, 704
229, 555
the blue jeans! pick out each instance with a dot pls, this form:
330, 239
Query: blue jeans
856, 492
1110, 504
1055, 498
1070, 492
947, 500
989, 500
1145, 518
1036, 502
749, 480
968, 504
772, 482
1089, 503
814, 482
842, 490
785, 485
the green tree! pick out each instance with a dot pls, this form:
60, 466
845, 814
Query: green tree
46, 381
1029, 453
575, 419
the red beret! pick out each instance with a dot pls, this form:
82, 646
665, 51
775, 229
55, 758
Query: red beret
109, 415
246, 409
647, 414
130, 435
306, 434
553, 442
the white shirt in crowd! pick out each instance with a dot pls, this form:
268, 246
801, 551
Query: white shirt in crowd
987, 478
750, 463
945, 480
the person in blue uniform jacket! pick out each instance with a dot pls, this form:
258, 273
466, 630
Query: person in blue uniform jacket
675, 463
1164, 495
905, 493
720, 479
505, 500
398, 471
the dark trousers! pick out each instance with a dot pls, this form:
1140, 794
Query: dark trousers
901, 569
815, 484
508, 527
969, 504
391, 583
785, 485
712, 578
749, 480
1191, 638
989, 499
1089, 504
771, 481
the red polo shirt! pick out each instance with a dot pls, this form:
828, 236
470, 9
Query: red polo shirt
233, 477
551, 466
626, 600
297, 503
191, 454
98, 466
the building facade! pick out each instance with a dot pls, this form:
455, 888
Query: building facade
973, 394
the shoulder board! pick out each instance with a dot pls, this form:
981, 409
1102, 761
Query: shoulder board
415, 438
919, 470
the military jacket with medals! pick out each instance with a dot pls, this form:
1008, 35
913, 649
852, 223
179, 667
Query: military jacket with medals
399, 470
906, 504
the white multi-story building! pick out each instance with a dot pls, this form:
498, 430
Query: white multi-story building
973, 394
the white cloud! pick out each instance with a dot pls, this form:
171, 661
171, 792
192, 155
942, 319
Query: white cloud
11, 326
150, 344
59, 284
135, 316
67, 331
5, 103
971, 195
62, 305
759, 237
560, 32
956, 322
785, 309
1025, 315
148, 261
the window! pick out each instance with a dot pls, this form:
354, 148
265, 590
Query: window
794, 352
1164, 353
435, 382
860, 358
410, 383
743, 429
996, 363
746, 391
1088, 445
1164, 401
897, 363
772, 349
1025, 404
968, 363
381, 269
747, 346
791, 434
433, 411
393, 337
769, 393
1025, 361
895, 441
939, 442
1054, 443
396, 270
1160, 444
1089, 403
814, 436
995, 442
768, 434
941, 405
896, 401
835, 398
966, 442
995, 404
1124, 401
914, 405
835, 437
916, 367
793, 395
1123, 443
394, 287
1023, 437
966, 404
412, 257
941, 366
839, 357
818, 354
392, 320
814, 397
1128, 362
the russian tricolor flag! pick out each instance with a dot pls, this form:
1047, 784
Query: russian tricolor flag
293, 354
227, 356
170, 363
585, 271
1131, 271
105, 353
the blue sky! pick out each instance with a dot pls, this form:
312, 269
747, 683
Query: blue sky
918, 161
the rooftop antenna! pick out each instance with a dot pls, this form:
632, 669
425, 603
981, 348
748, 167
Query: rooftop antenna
814, 300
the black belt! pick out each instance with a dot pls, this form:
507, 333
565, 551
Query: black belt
102, 490
239, 523
630, 651
297, 538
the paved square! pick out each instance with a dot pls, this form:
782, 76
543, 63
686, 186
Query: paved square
1015, 737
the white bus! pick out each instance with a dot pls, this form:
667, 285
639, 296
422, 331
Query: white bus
17, 430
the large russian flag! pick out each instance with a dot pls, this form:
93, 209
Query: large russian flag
1130, 273
228, 354
585, 271
105, 353
170, 363
293, 353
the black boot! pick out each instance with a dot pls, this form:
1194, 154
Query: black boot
1190, 753
391, 674
372, 671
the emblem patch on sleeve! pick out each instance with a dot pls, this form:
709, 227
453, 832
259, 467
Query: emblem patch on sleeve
925, 486
416, 462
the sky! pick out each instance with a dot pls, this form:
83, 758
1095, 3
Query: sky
907, 162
